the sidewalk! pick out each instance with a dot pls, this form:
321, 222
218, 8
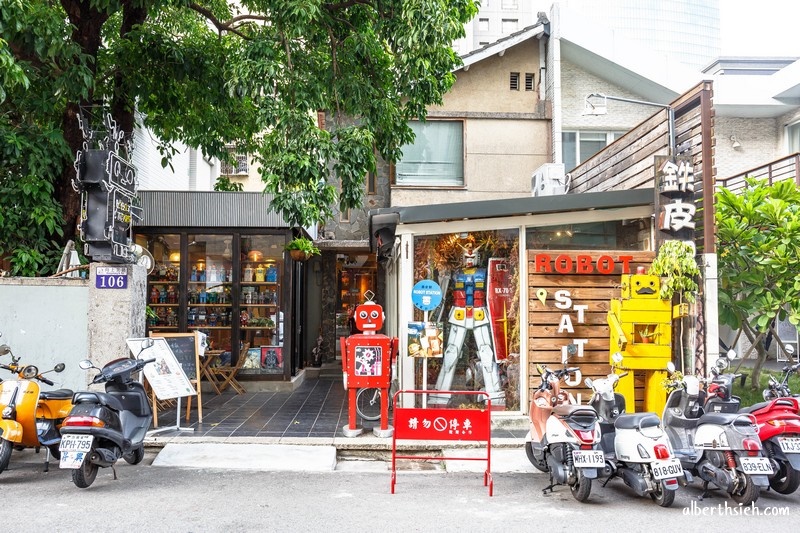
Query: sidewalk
302, 430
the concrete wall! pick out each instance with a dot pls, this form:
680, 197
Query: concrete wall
47, 321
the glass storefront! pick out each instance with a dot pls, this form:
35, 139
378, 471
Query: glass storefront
229, 286
471, 341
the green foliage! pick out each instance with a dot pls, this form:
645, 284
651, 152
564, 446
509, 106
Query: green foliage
676, 265
214, 73
758, 231
303, 244
224, 183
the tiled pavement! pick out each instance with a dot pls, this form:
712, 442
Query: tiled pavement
317, 408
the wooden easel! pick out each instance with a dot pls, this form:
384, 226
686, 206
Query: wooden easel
188, 354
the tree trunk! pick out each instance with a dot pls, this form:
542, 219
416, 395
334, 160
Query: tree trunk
756, 340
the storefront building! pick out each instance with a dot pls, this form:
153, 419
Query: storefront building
221, 269
534, 275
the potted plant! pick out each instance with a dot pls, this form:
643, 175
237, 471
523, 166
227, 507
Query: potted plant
301, 248
676, 266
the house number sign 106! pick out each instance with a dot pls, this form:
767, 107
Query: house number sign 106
111, 278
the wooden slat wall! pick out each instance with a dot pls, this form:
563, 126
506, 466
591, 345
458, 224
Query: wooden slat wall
594, 290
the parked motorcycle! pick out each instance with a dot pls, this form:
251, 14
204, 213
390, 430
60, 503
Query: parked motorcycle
779, 430
104, 426
30, 417
720, 447
564, 437
635, 446
780, 389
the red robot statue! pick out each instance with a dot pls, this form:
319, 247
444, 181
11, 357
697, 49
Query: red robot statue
470, 312
366, 360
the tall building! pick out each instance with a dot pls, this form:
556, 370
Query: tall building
686, 30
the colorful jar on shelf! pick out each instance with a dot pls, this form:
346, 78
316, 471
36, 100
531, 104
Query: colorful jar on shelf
261, 273
248, 274
272, 274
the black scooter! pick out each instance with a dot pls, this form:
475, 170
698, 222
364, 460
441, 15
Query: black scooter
104, 426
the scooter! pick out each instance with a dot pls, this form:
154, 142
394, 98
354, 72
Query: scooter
104, 426
780, 389
30, 417
720, 447
779, 431
564, 437
635, 446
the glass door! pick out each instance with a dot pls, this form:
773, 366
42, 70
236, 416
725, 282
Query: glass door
210, 279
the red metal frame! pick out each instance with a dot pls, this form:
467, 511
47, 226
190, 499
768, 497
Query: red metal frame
444, 424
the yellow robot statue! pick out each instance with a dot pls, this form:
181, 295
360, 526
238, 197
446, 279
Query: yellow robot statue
640, 324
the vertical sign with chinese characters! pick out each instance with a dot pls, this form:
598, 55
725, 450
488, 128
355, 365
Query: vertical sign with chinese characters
674, 185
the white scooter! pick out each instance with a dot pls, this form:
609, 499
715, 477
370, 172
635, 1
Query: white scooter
720, 447
635, 446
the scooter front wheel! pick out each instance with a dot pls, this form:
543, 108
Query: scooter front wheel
5, 453
135, 457
581, 488
84, 476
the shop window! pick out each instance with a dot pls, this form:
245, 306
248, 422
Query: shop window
470, 342
631, 234
436, 157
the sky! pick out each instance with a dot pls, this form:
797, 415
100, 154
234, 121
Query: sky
765, 27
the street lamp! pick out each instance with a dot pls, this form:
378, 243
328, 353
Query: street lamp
601, 108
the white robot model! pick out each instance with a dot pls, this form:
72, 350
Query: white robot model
469, 313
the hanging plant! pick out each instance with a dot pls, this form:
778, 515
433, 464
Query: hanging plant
676, 266
301, 248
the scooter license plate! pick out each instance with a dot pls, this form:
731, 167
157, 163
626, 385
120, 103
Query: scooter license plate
588, 458
667, 469
74, 449
756, 465
789, 444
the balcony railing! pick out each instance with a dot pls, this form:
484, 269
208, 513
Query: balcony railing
787, 168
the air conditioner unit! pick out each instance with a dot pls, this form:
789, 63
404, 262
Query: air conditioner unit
550, 179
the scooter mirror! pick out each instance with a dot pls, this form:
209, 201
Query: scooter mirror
731, 354
59, 367
540, 369
789, 350
671, 367
147, 343
4, 349
722, 363
617, 357
588, 382
85, 364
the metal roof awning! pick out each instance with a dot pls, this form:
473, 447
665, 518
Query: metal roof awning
536, 205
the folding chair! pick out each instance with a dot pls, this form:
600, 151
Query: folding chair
225, 375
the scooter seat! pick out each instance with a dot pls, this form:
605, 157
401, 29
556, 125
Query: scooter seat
112, 402
637, 420
754, 408
720, 419
59, 394
566, 410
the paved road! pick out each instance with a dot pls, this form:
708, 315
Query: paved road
166, 499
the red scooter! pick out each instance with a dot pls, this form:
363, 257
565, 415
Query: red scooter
779, 431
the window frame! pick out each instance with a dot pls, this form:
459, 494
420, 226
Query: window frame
395, 172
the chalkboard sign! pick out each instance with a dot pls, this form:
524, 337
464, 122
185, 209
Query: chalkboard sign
184, 346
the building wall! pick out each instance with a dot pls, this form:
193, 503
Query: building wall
577, 84
506, 132
188, 169
759, 139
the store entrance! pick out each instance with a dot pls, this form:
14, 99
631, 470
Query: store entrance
355, 274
